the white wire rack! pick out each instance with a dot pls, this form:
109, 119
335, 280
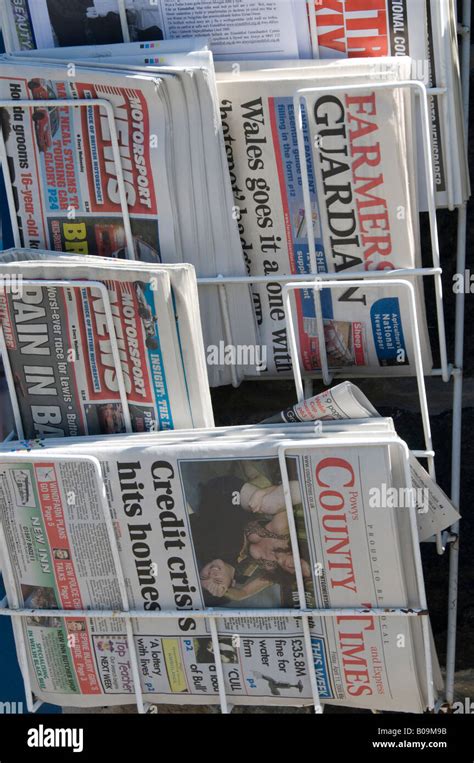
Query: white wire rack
402, 278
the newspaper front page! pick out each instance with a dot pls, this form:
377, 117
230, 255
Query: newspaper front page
203, 524
61, 162
363, 210
59, 346
419, 29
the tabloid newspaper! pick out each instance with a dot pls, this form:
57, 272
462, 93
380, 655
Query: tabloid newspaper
202, 524
59, 349
361, 209
62, 167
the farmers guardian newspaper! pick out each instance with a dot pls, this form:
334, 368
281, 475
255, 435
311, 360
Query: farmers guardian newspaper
415, 28
361, 210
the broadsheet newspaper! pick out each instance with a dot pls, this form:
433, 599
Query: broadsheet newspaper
59, 347
201, 522
361, 209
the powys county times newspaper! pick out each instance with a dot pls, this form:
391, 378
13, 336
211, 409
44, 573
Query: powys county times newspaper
360, 208
59, 347
201, 524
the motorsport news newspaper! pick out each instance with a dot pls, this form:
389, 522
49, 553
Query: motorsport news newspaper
59, 338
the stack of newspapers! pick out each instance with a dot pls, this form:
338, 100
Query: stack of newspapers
159, 203
100, 328
354, 209
273, 168
200, 520
223, 519
141, 177
425, 30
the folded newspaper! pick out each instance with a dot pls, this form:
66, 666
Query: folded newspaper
435, 512
68, 347
201, 522
357, 215
66, 185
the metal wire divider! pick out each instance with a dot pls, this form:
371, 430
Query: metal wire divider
464, 30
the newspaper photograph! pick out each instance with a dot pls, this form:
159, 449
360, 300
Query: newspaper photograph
204, 524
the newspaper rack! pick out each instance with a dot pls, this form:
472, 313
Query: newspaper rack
303, 381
